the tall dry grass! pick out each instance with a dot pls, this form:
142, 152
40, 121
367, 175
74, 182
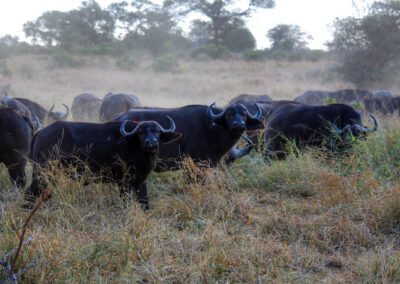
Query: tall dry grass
195, 82
311, 218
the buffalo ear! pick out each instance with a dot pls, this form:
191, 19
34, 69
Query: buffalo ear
169, 137
253, 124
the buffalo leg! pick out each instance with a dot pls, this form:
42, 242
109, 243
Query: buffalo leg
16, 169
34, 191
141, 193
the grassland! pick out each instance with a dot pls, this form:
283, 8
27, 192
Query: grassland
311, 218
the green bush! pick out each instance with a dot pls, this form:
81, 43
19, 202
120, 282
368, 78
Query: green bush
295, 56
165, 63
255, 55
239, 40
126, 62
60, 58
212, 51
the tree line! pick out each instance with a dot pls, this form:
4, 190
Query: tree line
367, 48
144, 24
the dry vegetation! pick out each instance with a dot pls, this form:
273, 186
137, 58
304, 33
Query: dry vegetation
310, 218
192, 82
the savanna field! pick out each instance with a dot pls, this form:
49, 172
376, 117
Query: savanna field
315, 217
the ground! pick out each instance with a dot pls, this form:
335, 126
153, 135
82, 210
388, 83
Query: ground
311, 218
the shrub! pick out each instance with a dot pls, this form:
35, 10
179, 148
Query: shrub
255, 55
60, 58
239, 40
126, 62
212, 51
165, 63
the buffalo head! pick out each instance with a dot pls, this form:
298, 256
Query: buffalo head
236, 118
150, 133
58, 115
356, 130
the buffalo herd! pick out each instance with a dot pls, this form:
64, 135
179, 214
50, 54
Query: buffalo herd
131, 140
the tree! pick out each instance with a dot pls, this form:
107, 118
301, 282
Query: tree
223, 15
369, 47
87, 26
287, 37
46, 29
131, 18
240, 40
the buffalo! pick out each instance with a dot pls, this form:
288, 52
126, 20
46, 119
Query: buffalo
121, 152
41, 113
208, 133
267, 110
114, 104
85, 107
21, 109
344, 96
16, 133
312, 126
251, 98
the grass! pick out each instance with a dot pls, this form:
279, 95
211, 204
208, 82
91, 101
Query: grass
311, 218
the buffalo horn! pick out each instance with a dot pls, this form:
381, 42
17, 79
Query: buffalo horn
236, 153
38, 125
171, 129
65, 115
368, 130
211, 114
337, 130
257, 115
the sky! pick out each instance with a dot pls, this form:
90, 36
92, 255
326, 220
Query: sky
313, 16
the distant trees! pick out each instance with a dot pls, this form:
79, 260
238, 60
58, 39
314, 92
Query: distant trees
87, 26
223, 16
369, 47
287, 37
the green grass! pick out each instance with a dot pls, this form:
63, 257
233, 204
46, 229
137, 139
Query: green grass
311, 218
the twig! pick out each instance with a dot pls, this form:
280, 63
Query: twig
11, 267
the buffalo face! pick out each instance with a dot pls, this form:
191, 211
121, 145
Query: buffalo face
150, 134
58, 115
236, 118
355, 130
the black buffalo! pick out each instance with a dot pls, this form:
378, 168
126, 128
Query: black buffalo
120, 152
343, 96
208, 133
268, 108
21, 109
16, 134
251, 98
114, 104
311, 126
85, 107
41, 113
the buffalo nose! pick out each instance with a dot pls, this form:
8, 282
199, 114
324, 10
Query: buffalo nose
239, 124
151, 142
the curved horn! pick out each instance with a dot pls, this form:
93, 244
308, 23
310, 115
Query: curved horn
211, 114
38, 125
257, 115
51, 109
236, 153
368, 130
171, 129
337, 130
65, 115
124, 132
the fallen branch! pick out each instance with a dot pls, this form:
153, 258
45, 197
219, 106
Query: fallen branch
11, 267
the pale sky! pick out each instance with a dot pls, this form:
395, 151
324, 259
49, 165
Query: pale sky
313, 16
